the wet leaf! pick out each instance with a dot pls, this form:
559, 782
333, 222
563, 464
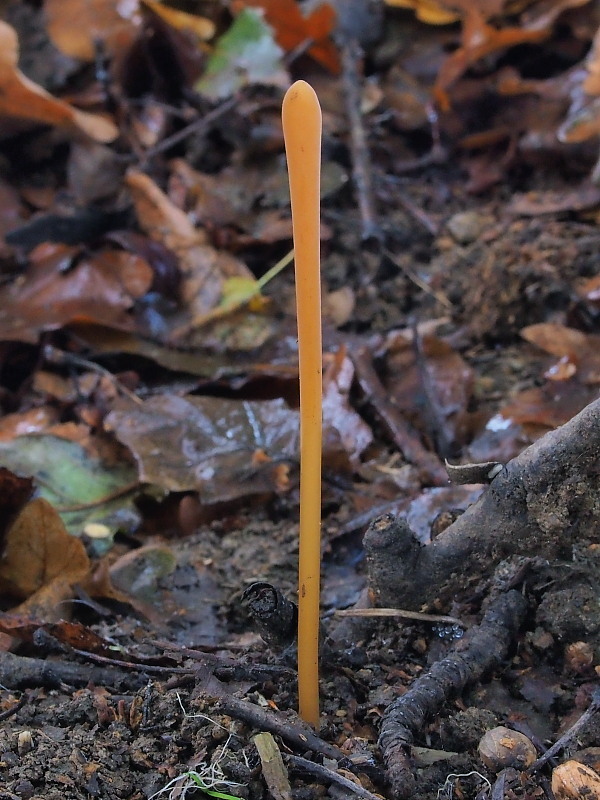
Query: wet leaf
82, 487
54, 292
223, 449
21, 97
292, 28
73, 634
138, 575
550, 405
434, 387
245, 55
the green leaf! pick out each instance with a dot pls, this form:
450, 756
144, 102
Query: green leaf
78, 485
245, 54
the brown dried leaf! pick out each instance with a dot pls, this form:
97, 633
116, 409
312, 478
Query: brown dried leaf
582, 350
74, 27
40, 561
21, 97
340, 421
434, 389
53, 293
204, 269
479, 39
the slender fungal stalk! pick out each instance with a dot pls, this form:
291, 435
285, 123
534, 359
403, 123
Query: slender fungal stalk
301, 115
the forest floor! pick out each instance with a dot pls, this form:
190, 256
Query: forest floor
461, 308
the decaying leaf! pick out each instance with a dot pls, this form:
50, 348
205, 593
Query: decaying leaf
85, 489
245, 54
339, 418
292, 28
579, 352
224, 449
22, 98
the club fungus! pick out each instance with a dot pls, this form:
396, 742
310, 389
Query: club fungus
301, 116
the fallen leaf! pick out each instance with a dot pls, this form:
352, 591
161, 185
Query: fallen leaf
581, 350
434, 389
245, 55
203, 268
84, 488
223, 449
479, 39
21, 97
339, 418
40, 561
550, 405
76, 28
73, 634
57, 289
292, 28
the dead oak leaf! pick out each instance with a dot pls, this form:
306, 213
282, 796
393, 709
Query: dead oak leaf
579, 352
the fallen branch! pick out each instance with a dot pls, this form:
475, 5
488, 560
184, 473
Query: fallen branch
542, 502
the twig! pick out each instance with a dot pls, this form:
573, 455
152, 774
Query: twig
295, 734
195, 128
351, 56
398, 612
482, 648
330, 776
574, 731
411, 275
404, 436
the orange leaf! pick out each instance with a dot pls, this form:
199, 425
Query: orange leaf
21, 97
292, 28
75, 26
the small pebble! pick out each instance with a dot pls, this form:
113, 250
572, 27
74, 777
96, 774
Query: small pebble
466, 226
574, 781
501, 748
